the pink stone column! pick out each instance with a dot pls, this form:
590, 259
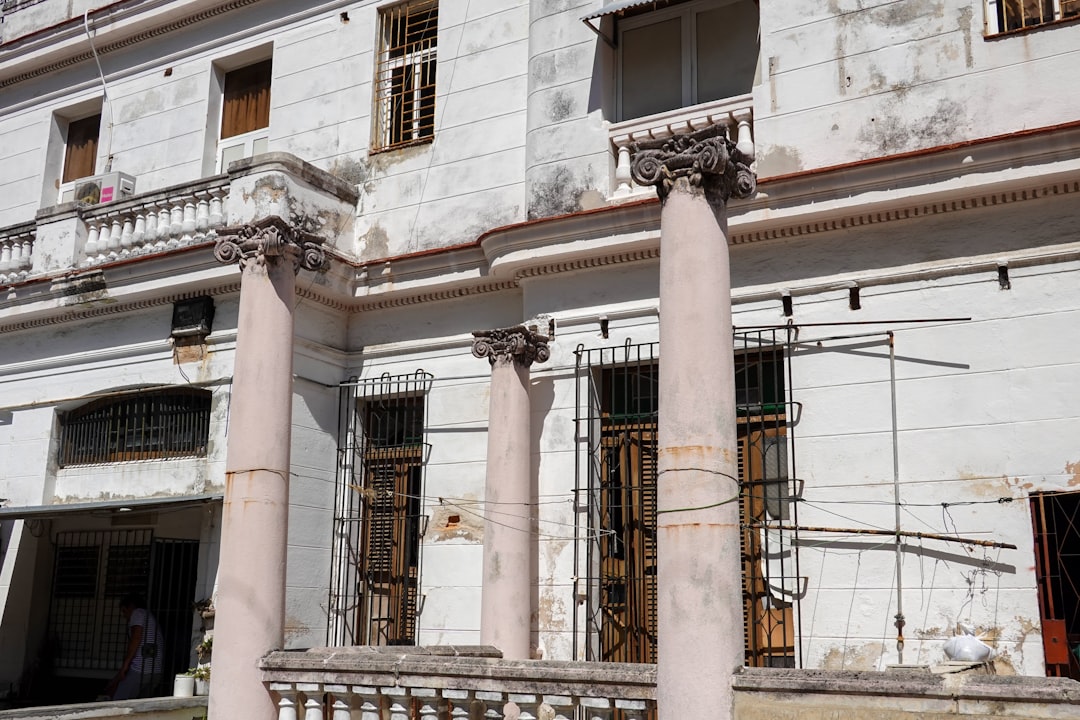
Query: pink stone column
506, 602
699, 573
250, 601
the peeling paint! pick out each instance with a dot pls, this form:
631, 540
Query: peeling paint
450, 522
863, 657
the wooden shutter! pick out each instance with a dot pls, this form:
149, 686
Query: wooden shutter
80, 156
246, 102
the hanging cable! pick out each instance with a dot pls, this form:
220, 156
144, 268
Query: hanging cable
105, 101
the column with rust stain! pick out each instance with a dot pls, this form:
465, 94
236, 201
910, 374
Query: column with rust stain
250, 597
506, 602
699, 586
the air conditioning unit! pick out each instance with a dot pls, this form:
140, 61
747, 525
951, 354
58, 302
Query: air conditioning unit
99, 189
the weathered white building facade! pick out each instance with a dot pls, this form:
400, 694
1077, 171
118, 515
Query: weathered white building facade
904, 288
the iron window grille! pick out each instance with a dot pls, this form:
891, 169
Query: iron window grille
1018, 14
617, 402
405, 75
174, 422
378, 518
1055, 519
93, 570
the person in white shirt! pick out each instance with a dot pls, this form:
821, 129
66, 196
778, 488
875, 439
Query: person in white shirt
139, 675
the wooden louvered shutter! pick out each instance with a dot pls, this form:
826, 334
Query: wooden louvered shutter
80, 155
246, 101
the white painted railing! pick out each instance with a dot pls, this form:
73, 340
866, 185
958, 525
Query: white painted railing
154, 222
735, 114
451, 683
16, 253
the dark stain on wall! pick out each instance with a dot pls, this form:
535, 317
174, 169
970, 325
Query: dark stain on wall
557, 191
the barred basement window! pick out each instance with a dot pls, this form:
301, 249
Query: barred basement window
138, 426
405, 75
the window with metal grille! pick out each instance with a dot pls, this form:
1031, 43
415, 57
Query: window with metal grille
379, 521
618, 414
137, 426
1006, 15
405, 75
1055, 519
93, 570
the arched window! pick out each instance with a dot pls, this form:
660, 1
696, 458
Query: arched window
174, 422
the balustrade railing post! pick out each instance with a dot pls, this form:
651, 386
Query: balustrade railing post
313, 709
399, 703
339, 702
631, 709
459, 701
370, 702
115, 238
127, 236
596, 708
286, 703
745, 142
202, 212
428, 699
494, 704
164, 225
528, 705
139, 234
556, 707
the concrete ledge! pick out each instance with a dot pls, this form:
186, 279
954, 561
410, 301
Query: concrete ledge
294, 166
163, 708
1016, 688
460, 668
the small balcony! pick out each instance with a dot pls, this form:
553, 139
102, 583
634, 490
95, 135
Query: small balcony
452, 682
475, 683
735, 114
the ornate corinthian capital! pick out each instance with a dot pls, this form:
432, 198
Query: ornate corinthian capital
519, 344
268, 240
706, 159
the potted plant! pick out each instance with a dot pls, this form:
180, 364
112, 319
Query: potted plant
184, 684
204, 648
201, 675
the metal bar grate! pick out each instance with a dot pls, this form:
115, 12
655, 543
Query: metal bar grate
92, 571
405, 74
378, 520
617, 418
174, 422
1055, 520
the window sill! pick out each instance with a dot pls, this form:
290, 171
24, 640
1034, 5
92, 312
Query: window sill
400, 146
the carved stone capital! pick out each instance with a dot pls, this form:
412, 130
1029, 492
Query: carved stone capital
518, 343
269, 240
704, 160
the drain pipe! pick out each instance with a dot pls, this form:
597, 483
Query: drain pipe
896, 504
104, 91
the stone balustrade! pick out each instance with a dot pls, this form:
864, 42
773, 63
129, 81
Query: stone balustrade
735, 114
16, 253
451, 683
155, 222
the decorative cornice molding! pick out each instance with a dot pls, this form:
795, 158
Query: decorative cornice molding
107, 48
518, 344
112, 309
703, 159
907, 212
269, 240
363, 304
